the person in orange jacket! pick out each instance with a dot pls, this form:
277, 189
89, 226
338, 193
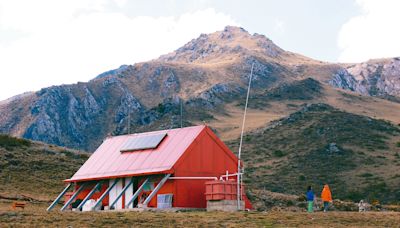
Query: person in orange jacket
326, 197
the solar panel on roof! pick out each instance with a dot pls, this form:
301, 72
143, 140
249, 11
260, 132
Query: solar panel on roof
143, 142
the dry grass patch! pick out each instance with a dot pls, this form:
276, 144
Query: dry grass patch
36, 216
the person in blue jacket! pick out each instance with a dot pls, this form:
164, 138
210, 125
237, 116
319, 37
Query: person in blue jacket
310, 199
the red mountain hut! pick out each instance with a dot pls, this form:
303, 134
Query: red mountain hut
160, 169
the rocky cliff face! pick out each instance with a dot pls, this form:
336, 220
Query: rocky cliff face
205, 75
71, 115
374, 78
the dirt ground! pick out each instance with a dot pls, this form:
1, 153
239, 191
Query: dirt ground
35, 215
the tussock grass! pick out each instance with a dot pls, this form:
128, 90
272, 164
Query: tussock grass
36, 170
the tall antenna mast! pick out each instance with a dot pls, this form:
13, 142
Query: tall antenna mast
239, 177
180, 99
129, 118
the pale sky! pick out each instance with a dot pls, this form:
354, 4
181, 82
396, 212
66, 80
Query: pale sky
53, 42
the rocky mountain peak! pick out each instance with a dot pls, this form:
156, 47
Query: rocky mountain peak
232, 32
226, 44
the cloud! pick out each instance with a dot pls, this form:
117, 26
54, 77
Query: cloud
372, 34
56, 42
279, 26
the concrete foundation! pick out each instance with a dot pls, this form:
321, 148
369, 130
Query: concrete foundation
223, 205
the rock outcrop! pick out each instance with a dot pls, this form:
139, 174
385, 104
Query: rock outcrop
374, 78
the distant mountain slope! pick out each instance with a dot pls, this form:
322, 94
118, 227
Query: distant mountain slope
375, 78
358, 156
35, 170
209, 75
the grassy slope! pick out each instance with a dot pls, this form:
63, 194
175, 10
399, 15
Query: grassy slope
295, 152
288, 98
35, 169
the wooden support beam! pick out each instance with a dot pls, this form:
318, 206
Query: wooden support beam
120, 194
90, 194
105, 194
73, 196
136, 194
154, 192
59, 197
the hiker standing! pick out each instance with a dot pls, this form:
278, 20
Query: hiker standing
310, 199
326, 197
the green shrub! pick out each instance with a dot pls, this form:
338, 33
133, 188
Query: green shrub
398, 144
354, 196
366, 175
278, 153
161, 108
9, 142
289, 203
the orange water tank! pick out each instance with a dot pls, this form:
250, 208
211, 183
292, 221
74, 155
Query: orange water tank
221, 190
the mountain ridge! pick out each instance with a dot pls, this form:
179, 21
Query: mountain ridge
208, 74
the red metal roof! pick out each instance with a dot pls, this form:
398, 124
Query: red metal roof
107, 161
